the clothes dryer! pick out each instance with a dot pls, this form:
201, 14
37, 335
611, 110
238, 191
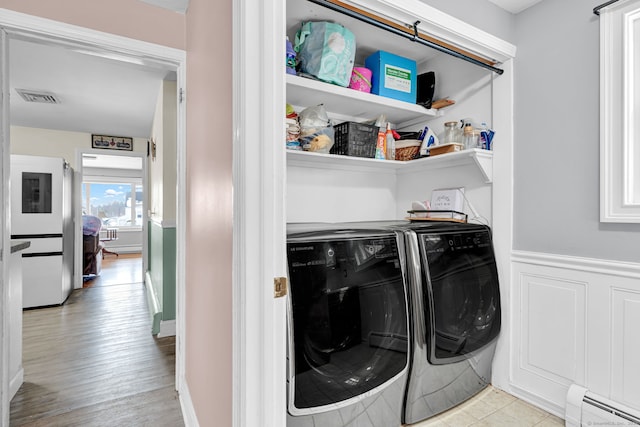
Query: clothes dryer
455, 315
348, 347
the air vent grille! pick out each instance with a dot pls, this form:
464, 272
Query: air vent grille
35, 96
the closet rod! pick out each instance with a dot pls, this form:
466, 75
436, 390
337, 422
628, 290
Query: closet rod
413, 37
596, 9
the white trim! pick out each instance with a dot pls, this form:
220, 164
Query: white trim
259, 231
188, 411
49, 31
142, 247
152, 297
591, 265
78, 256
125, 249
16, 382
5, 230
259, 394
502, 210
167, 328
164, 223
618, 163
181, 228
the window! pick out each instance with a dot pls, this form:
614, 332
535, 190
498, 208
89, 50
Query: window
117, 203
619, 119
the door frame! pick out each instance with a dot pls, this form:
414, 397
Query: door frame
15, 24
78, 179
5, 230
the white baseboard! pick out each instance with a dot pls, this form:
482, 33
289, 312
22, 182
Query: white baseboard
134, 249
167, 328
15, 383
539, 401
186, 404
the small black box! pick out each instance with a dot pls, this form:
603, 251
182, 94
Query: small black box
426, 88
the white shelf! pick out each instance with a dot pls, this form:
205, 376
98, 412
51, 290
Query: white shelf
305, 92
482, 160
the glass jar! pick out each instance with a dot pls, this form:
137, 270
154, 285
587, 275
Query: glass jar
470, 137
451, 133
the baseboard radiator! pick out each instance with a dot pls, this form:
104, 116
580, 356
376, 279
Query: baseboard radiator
588, 409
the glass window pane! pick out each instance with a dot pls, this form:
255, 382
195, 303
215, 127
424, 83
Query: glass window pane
36, 192
108, 201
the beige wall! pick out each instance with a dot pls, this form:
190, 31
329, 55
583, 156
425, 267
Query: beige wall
56, 143
205, 33
129, 18
155, 163
209, 210
162, 169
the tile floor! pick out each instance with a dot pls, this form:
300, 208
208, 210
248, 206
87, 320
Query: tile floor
493, 408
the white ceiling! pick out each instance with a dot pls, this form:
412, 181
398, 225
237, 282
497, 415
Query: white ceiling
99, 95
514, 6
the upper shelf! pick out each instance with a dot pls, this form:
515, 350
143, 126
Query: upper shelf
482, 160
304, 92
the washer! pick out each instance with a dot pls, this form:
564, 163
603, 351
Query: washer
455, 315
348, 348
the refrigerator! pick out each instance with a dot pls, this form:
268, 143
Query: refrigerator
42, 213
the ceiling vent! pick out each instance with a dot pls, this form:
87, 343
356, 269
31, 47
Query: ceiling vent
34, 96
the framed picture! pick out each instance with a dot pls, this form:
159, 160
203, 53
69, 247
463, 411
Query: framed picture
112, 142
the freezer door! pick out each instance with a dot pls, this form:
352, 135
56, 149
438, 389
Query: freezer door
37, 195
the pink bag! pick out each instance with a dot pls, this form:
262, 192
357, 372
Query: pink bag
361, 79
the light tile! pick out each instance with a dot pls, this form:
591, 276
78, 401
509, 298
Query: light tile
432, 422
498, 419
459, 419
551, 421
526, 413
497, 399
493, 408
480, 409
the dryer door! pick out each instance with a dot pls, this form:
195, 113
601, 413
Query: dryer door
461, 293
348, 320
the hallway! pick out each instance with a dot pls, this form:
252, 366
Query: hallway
93, 360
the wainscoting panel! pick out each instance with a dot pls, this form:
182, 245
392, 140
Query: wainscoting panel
575, 320
625, 345
552, 314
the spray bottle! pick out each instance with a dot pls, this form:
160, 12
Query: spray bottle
391, 143
380, 145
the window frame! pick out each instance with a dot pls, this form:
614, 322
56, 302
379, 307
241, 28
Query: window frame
619, 129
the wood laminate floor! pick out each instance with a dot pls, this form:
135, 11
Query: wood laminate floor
93, 360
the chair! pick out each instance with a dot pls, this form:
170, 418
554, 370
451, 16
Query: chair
110, 234
91, 246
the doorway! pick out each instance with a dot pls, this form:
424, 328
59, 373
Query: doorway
112, 189
108, 49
